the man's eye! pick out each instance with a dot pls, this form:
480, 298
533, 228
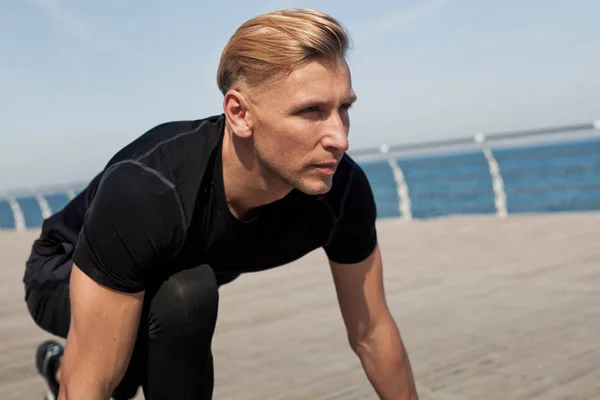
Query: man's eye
311, 109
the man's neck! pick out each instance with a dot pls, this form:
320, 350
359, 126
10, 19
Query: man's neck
247, 184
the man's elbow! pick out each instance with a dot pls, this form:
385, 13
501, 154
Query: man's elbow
364, 350
363, 342
381, 337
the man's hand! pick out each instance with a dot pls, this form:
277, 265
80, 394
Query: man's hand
372, 332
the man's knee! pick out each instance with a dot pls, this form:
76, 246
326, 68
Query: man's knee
186, 304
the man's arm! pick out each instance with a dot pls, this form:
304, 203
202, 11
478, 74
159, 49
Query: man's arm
372, 332
100, 341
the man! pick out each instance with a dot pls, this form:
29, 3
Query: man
129, 270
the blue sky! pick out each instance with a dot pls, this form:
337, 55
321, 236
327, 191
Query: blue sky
79, 79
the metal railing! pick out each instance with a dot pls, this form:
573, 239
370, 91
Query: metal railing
540, 170
27, 208
486, 161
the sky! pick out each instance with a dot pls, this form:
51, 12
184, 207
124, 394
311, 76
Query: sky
79, 79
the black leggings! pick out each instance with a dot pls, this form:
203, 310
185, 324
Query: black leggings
172, 358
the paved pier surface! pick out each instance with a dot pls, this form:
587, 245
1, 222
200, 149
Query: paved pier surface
489, 309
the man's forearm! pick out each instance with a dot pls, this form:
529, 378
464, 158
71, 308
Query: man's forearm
77, 386
386, 364
80, 379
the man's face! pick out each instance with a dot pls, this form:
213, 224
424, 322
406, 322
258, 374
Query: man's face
300, 125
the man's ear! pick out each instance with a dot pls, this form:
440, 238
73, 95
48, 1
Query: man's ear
235, 107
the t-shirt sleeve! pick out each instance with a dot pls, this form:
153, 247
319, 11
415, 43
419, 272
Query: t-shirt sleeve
134, 224
355, 235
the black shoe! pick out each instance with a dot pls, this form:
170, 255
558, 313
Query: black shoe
47, 361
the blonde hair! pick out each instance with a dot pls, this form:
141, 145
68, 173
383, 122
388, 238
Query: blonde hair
270, 45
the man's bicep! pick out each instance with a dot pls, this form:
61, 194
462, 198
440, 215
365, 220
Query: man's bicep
360, 293
97, 309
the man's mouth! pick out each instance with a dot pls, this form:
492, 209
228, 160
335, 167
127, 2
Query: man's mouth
326, 168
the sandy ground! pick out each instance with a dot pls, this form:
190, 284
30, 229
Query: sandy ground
489, 309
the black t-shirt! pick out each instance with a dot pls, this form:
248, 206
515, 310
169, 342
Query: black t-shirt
159, 206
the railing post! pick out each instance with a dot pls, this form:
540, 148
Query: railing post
17, 213
70, 193
401, 186
43, 204
497, 181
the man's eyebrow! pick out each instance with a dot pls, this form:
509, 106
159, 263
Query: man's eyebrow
314, 102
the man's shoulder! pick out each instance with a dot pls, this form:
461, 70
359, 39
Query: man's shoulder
172, 158
173, 140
